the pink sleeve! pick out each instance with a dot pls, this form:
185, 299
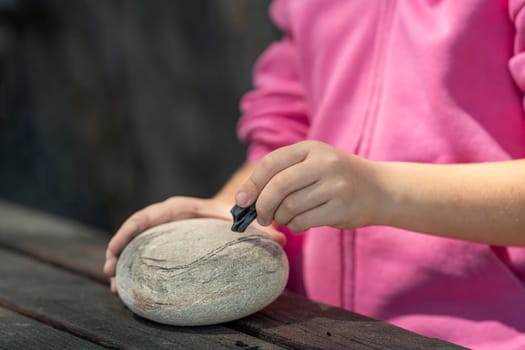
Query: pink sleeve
274, 112
517, 62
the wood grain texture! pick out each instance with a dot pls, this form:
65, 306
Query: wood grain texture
54, 240
299, 323
291, 321
21, 332
199, 272
88, 310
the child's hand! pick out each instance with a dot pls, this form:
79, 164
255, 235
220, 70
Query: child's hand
174, 208
312, 184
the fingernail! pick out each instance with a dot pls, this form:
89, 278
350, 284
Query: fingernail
241, 198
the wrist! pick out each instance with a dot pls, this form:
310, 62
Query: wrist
387, 198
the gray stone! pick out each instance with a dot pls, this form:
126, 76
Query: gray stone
198, 272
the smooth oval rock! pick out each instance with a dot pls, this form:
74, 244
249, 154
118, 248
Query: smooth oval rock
198, 272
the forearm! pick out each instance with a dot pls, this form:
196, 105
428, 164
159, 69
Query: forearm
477, 202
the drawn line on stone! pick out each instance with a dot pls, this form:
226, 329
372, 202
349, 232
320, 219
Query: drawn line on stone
208, 255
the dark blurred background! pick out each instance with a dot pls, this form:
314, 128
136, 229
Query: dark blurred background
107, 106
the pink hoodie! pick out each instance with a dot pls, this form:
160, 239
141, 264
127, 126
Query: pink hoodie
416, 80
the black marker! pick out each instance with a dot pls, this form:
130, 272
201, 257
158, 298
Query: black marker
242, 217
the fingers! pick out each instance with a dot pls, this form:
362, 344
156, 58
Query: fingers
211, 208
110, 264
301, 201
174, 208
140, 221
267, 168
322, 215
113, 285
282, 186
112, 260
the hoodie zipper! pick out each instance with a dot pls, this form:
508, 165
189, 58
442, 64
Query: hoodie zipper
383, 27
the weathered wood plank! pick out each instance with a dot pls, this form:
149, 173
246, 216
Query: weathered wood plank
291, 321
55, 240
20, 332
296, 322
33, 223
67, 301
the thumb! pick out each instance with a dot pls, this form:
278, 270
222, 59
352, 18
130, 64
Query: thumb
247, 193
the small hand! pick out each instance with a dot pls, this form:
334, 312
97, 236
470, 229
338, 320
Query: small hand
312, 184
174, 208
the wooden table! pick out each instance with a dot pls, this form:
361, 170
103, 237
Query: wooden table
53, 295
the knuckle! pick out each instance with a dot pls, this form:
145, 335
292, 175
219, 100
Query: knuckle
267, 163
284, 213
333, 160
297, 224
310, 143
111, 250
280, 182
338, 186
262, 209
172, 200
289, 205
305, 143
140, 220
280, 218
252, 185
